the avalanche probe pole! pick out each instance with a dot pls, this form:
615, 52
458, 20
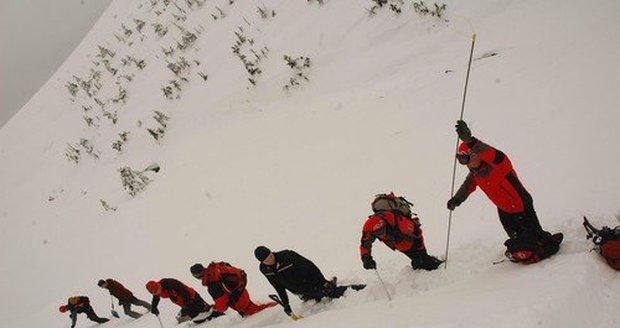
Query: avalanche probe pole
159, 319
382, 284
471, 53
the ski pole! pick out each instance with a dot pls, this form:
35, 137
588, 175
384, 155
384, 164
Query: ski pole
383, 284
159, 319
471, 53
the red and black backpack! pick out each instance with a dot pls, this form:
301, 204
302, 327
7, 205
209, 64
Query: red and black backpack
400, 222
606, 241
232, 278
391, 202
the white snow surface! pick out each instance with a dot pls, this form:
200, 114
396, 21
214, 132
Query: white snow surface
245, 165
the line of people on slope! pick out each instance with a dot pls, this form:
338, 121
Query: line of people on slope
392, 222
226, 284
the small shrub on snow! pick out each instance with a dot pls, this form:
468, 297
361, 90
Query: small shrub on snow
299, 66
133, 181
265, 13
160, 30
107, 207
437, 11
72, 153
89, 148
162, 119
118, 144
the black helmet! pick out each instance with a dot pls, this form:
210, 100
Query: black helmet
101, 282
196, 270
261, 253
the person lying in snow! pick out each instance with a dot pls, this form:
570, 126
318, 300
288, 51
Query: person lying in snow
226, 284
491, 170
80, 304
287, 270
395, 225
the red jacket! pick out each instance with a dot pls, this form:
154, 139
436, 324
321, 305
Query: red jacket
496, 178
224, 283
176, 291
396, 231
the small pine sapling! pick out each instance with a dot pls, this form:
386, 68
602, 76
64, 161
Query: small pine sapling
89, 148
118, 144
133, 181
72, 153
107, 207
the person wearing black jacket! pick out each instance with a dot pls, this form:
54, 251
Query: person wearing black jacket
80, 304
287, 270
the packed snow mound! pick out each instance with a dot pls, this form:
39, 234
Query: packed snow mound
275, 123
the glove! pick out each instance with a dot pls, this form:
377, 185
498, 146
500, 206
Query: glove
329, 288
369, 263
424, 261
453, 203
287, 310
463, 131
155, 311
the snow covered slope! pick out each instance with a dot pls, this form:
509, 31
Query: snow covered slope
290, 158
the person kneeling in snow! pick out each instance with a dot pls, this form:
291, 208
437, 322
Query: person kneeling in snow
226, 284
395, 225
80, 304
193, 307
492, 171
287, 270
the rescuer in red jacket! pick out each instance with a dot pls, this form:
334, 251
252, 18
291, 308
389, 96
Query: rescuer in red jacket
226, 284
399, 229
192, 305
491, 170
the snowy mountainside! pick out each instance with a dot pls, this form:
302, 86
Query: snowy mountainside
290, 157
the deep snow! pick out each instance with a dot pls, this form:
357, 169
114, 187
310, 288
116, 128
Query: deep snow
245, 165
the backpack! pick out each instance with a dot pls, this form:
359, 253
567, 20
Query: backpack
529, 250
391, 202
232, 278
607, 242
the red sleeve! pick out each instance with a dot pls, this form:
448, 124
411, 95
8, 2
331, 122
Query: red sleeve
496, 158
371, 225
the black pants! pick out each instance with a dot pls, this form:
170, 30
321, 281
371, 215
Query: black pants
197, 306
319, 292
90, 313
524, 224
135, 301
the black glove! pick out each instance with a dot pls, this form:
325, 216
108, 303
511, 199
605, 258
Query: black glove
287, 310
329, 288
453, 203
155, 311
463, 131
424, 261
368, 262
